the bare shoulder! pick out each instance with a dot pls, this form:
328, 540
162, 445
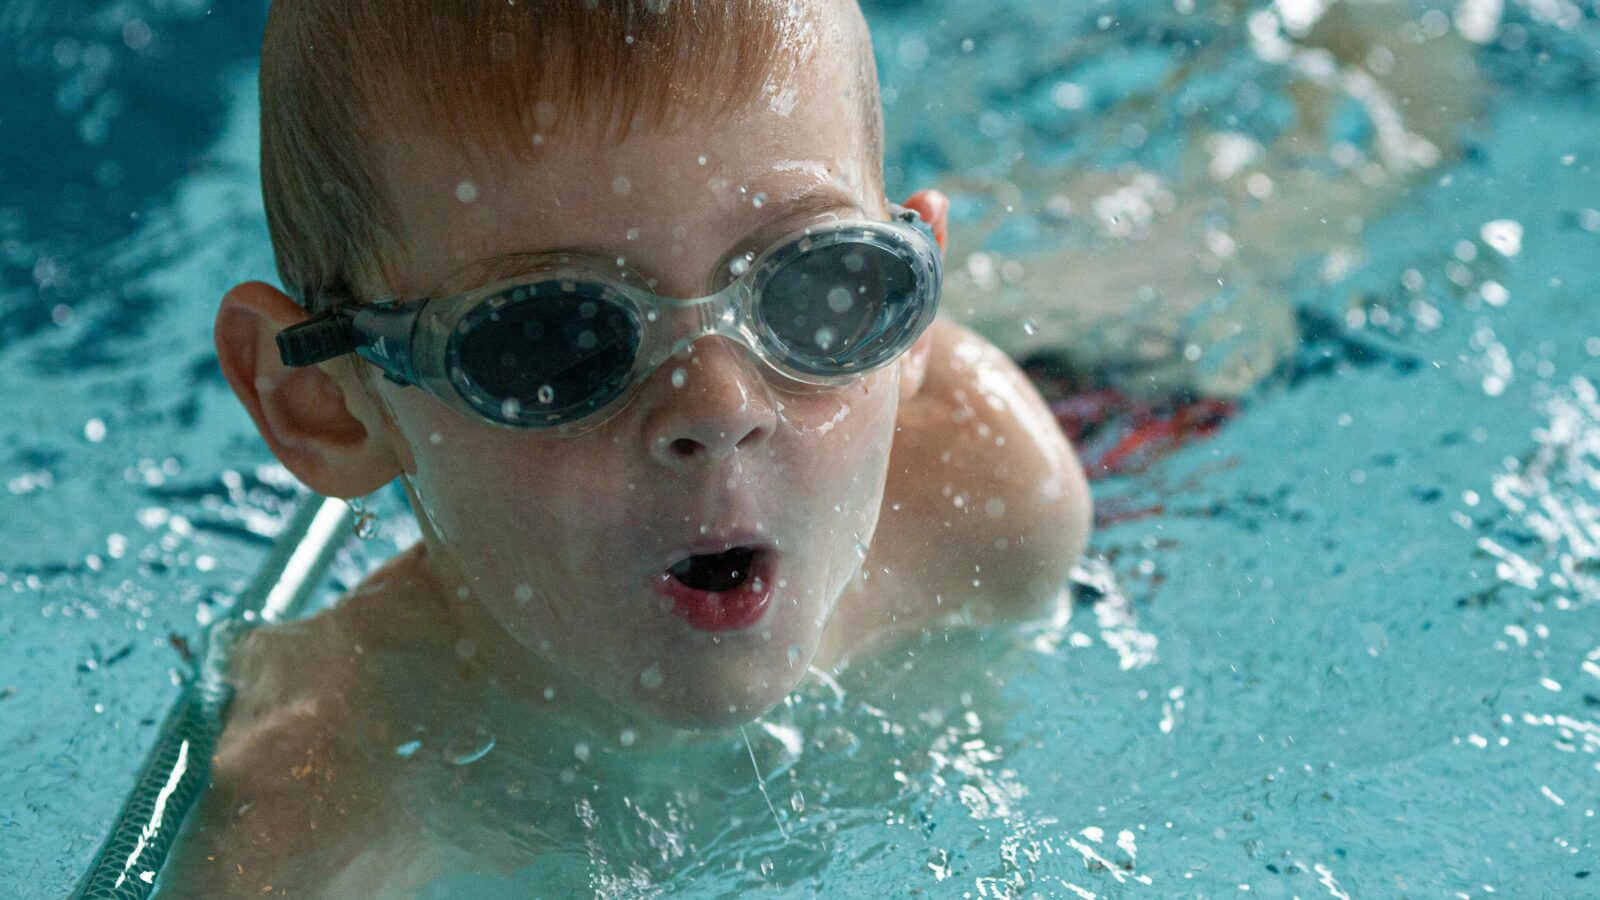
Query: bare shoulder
986, 507
287, 775
309, 672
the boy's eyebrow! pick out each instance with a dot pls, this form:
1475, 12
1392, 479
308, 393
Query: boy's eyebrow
813, 201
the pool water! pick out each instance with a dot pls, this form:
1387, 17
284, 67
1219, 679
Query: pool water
1347, 646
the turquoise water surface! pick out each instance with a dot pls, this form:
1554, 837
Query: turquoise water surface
1348, 646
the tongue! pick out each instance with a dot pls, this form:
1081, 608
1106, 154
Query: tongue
715, 572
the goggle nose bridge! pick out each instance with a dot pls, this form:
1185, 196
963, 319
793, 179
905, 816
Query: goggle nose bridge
721, 314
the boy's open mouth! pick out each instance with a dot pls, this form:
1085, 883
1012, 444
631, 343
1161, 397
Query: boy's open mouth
720, 591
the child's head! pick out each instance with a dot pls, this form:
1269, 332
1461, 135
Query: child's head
422, 148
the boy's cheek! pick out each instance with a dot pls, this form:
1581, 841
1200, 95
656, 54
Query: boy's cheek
832, 447
839, 415
473, 475
836, 434
505, 475
838, 466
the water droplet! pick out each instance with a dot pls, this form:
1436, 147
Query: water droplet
367, 525
759, 200
632, 234
1029, 326
408, 749
839, 300
795, 651
854, 262
797, 801
94, 431
523, 593
435, 438
651, 315
861, 550
510, 408
701, 160
547, 394
627, 737
581, 751
740, 265
825, 337
679, 376
651, 678
1504, 235
621, 186
466, 192
549, 694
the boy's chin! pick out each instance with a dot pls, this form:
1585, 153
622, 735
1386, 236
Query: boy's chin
707, 708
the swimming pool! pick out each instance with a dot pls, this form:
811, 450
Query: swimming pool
1347, 646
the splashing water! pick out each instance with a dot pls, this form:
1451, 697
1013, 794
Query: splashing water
762, 784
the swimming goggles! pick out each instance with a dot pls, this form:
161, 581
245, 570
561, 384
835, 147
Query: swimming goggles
565, 345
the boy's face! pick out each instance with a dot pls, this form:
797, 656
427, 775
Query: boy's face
566, 542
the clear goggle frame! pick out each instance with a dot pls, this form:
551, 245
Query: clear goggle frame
819, 308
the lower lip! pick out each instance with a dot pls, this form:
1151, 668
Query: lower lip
724, 610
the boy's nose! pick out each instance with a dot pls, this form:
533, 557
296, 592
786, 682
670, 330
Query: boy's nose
710, 403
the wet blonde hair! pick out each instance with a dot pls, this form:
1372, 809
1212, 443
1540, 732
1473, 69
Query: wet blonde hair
335, 73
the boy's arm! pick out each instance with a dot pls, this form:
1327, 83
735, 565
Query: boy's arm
987, 507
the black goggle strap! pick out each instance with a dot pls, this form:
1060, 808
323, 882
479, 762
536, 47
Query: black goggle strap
379, 332
317, 340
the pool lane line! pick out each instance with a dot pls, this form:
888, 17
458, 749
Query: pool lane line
178, 768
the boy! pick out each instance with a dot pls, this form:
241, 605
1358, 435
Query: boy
642, 521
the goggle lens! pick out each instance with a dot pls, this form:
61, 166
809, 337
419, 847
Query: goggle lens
838, 308
565, 353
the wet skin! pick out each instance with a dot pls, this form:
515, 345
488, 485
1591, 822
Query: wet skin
534, 576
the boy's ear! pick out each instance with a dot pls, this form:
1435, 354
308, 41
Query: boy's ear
317, 420
934, 208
